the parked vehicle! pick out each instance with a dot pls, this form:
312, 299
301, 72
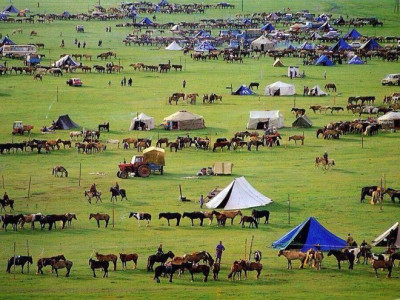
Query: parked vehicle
391, 79
74, 82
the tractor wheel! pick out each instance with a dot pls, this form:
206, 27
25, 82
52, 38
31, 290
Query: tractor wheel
162, 170
123, 175
144, 171
119, 174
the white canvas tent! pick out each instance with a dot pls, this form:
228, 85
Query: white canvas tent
239, 194
280, 89
393, 233
141, 122
175, 28
278, 63
317, 91
174, 46
184, 120
390, 120
294, 70
65, 61
263, 43
271, 118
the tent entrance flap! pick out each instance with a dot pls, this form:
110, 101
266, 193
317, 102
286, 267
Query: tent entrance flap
225, 201
300, 239
138, 125
262, 125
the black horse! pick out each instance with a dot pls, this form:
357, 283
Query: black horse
5, 203
367, 191
254, 84
170, 269
170, 216
258, 214
194, 215
162, 258
255, 143
13, 220
19, 261
257, 255
115, 193
341, 256
99, 265
105, 126
46, 261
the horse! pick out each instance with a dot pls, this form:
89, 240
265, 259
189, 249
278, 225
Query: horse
60, 169
31, 218
232, 214
367, 191
108, 257
208, 215
255, 143
128, 257
336, 108
60, 264
252, 222
254, 84
325, 165
162, 258
393, 194
117, 142
46, 261
91, 195
162, 141
221, 218
105, 126
222, 145
258, 214
194, 268
236, 268
5, 203
330, 86
141, 216
341, 256
298, 111
130, 141
170, 216
13, 220
194, 215
296, 138
257, 255
99, 265
293, 255
70, 217
19, 260
75, 134
170, 269
251, 266
38, 76
382, 264
315, 257
216, 267
195, 257
51, 220
100, 217
115, 193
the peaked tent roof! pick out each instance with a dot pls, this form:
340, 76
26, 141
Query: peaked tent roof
146, 21
143, 118
306, 46
65, 60
371, 45
278, 63
243, 91
341, 45
323, 60
183, 115
316, 91
11, 9
273, 117
307, 234
267, 27
390, 235
174, 46
205, 46
355, 61
302, 122
6, 41
239, 194
64, 122
353, 35
280, 88
202, 33
163, 3
263, 42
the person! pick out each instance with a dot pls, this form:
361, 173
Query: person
201, 201
84, 45
303, 74
219, 249
349, 240
160, 250
326, 157
76, 41
44, 129
5, 197
100, 43
116, 187
154, 17
93, 189
62, 44
126, 146
184, 83
325, 74
124, 80
130, 82
79, 44
291, 74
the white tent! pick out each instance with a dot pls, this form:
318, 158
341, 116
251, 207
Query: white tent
174, 47
65, 61
278, 63
141, 122
317, 91
390, 120
175, 28
263, 43
239, 194
392, 233
294, 70
280, 89
271, 118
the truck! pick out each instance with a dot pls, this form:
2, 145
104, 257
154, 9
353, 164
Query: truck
391, 79
152, 161
19, 128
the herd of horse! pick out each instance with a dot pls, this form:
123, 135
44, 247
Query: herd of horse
43, 220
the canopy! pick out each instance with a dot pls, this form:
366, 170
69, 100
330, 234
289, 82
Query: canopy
174, 46
243, 91
390, 120
390, 236
155, 155
341, 45
316, 91
64, 122
202, 33
280, 89
184, 120
306, 46
270, 118
278, 63
6, 41
222, 168
65, 61
146, 21
355, 61
263, 43
267, 27
11, 9
142, 121
371, 45
353, 35
307, 235
239, 194
302, 122
323, 60
205, 46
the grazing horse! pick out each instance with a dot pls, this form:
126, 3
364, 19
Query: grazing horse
46, 261
382, 264
19, 260
194, 268
299, 111
170, 216
232, 214
13, 220
258, 214
115, 193
322, 161
108, 257
330, 86
5, 203
342, 256
61, 264
75, 134
297, 138
99, 265
141, 216
70, 217
128, 257
194, 215
162, 141
336, 108
252, 222
60, 169
367, 191
257, 256
91, 195
222, 145
162, 258
293, 255
100, 217
254, 84
392, 193
221, 218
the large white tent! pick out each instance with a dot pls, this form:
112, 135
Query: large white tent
174, 46
280, 88
239, 194
263, 43
316, 91
390, 236
270, 118
141, 122
390, 120
65, 61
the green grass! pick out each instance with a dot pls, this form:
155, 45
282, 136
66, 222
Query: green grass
332, 197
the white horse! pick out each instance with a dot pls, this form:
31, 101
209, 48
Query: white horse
114, 142
75, 134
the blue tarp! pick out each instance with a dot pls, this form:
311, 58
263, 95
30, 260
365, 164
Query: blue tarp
202, 33
11, 9
307, 235
205, 46
243, 91
323, 60
340, 45
371, 45
146, 21
163, 3
247, 22
355, 61
267, 27
7, 41
353, 35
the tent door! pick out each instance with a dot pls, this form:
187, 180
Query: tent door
138, 125
396, 124
262, 47
278, 92
262, 125
175, 125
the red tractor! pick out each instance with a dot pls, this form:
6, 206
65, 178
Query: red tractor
142, 165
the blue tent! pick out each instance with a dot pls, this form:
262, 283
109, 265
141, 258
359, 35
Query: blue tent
65, 14
246, 22
323, 60
355, 61
307, 235
243, 91
11, 9
340, 45
371, 45
163, 3
290, 47
6, 41
202, 33
353, 35
205, 46
306, 46
146, 21
234, 44
267, 27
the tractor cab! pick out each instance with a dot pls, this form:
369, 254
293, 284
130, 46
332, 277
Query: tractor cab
137, 159
18, 127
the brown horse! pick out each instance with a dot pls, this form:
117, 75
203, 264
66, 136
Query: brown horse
108, 257
251, 266
61, 264
208, 215
222, 145
314, 258
195, 257
382, 264
91, 195
221, 218
231, 214
128, 257
293, 255
342, 256
330, 86
130, 141
100, 217
252, 221
322, 161
46, 261
296, 138
162, 141
193, 268
236, 268
216, 267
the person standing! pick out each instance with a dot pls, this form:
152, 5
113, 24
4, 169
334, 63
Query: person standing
219, 249
184, 83
201, 201
349, 240
326, 157
124, 81
130, 82
84, 45
325, 74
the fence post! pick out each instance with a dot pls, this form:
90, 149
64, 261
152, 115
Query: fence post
29, 187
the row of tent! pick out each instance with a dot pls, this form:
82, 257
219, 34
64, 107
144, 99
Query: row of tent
279, 88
